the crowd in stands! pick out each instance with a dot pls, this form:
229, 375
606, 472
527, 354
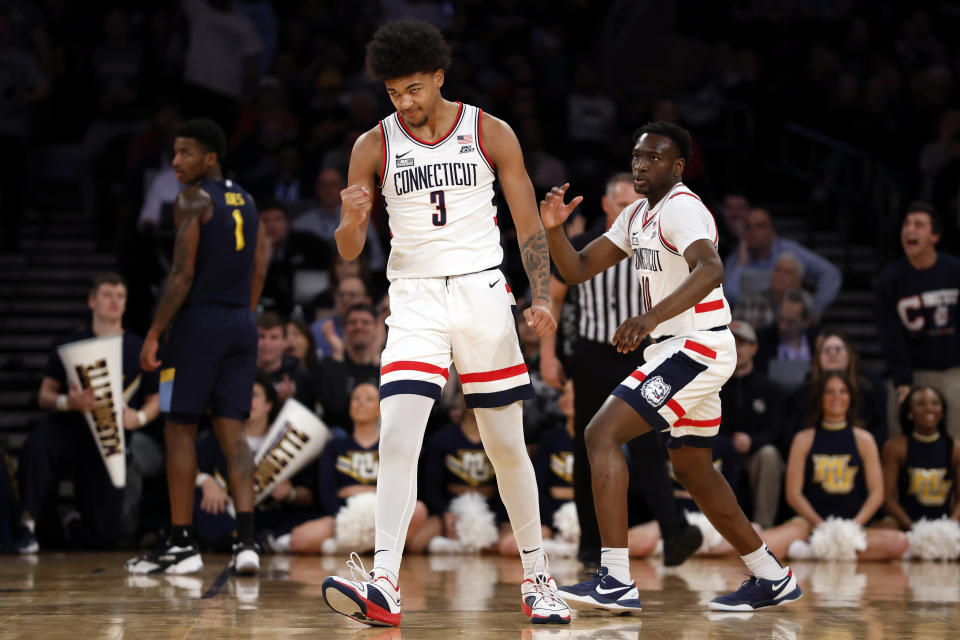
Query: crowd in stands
293, 99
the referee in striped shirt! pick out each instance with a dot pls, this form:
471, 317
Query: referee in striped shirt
603, 304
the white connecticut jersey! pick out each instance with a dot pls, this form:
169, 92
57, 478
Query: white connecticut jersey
656, 239
440, 201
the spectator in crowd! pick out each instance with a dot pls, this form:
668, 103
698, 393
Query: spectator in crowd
24, 84
759, 310
300, 345
784, 351
289, 379
358, 362
289, 251
63, 446
454, 464
348, 466
733, 219
834, 470
753, 417
748, 268
324, 218
921, 467
222, 63
161, 193
543, 410
290, 504
917, 299
833, 351
328, 331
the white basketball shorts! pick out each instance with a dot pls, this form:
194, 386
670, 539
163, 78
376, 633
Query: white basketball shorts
678, 388
468, 319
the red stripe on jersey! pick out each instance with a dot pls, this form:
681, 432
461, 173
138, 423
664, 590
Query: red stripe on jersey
639, 375
664, 241
699, 348
413, 365
383, 149
456, 121
704, 307
676, 408
634, 214
508, 287
490, 376
716, 229
480, 139
697, 423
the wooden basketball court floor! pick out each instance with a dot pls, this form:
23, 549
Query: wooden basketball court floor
85, 596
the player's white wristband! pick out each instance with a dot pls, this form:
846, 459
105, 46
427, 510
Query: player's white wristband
201, 478
141, 418
63, 403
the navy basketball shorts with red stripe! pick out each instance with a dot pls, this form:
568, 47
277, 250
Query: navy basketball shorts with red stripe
678, 388
469, 320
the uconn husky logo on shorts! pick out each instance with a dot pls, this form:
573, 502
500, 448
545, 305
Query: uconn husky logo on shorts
655, 390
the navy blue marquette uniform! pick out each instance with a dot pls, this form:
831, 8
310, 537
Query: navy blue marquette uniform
834, 480
210, 355
926, 479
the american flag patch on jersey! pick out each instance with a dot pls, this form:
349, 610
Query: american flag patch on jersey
467, 139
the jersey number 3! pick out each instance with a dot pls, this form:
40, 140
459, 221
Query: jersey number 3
238, 218
440, 218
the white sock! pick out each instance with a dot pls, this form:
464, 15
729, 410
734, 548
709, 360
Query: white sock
29, 523
763, 564
501, 430
617, 562
403, 421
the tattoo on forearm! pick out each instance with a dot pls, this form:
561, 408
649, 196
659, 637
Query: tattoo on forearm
176, 289
536, 262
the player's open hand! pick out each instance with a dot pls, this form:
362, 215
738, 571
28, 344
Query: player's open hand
214, 500
632, 332
553, 210
356, 203
540, 318
148, 353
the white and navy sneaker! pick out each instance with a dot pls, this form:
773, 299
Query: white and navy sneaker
603, 592
26, 543
540, 601
371, 600
169, 558
756, 593
246, 558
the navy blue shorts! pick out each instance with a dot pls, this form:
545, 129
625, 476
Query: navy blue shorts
209, 362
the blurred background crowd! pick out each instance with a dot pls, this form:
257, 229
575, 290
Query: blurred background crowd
818, 127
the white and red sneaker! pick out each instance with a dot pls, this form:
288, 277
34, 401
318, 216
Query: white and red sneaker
541, 602
371, 600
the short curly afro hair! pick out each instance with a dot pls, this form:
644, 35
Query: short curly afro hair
405, 47
679, 135
206, 132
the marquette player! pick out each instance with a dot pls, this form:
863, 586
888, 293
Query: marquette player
671, 238
435, 162
210, 350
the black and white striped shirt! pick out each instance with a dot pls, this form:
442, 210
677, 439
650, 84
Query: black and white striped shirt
605, 301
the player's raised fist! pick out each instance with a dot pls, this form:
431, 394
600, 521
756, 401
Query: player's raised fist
356, 205
553, 210
540, 319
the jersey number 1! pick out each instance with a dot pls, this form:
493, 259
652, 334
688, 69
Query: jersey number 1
238, 218
440, 218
